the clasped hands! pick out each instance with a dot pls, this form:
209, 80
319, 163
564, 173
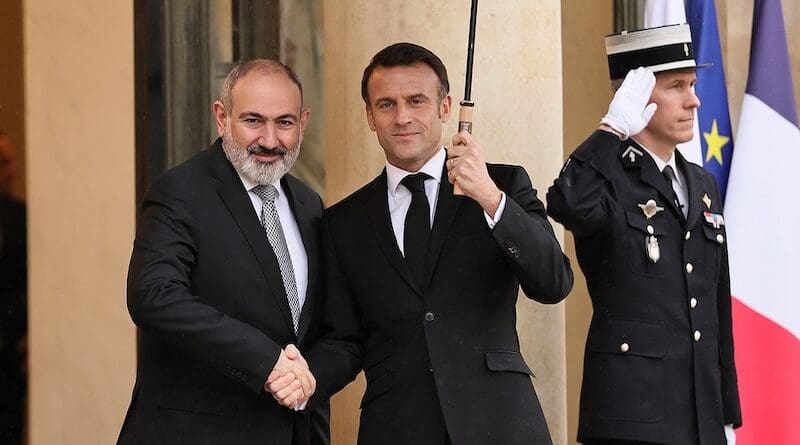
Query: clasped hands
291, 382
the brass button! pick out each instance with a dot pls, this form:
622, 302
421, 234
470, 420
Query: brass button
696, 335
689, 268
429, 316
692, 302
720, 238
688, 235
650, 229
624, 347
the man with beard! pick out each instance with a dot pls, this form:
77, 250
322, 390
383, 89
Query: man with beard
225, 278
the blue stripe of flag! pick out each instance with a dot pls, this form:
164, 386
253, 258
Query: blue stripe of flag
710, 88
770, 74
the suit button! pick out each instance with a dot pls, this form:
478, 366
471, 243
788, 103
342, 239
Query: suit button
429, 316
511, 248
720, 238
688, 235
692, 302
696, 335
430, 367
689, 268
624, 347
650, 229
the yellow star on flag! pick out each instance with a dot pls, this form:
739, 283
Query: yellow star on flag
715, 142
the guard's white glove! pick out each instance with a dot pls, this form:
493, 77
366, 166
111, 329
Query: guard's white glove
629, 111
730, 436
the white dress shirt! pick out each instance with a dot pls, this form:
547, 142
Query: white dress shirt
297, 251
400, 197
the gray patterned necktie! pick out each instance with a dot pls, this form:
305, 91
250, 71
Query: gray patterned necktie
272, 224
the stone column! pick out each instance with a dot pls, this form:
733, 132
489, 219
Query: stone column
79, 119
517, 86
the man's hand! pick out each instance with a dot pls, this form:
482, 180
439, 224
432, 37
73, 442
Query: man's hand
466, 167
629, 111
291, 382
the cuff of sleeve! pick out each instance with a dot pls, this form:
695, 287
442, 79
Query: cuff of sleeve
491, 222
302, 406
730, 435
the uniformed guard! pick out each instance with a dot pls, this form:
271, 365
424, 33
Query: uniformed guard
650, 238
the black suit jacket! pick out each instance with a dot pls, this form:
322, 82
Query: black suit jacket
441, 357
13, 317
659, 355
205, 289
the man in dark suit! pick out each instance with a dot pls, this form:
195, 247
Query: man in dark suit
13, 301
650, 238
422, 284
226, 273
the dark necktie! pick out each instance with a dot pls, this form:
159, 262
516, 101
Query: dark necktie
669, 175
272, 224
417, 225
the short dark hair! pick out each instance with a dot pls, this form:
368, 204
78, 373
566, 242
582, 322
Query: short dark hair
403, 54
261, 66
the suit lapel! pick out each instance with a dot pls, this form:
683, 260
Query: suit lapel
378, 211
232, 192
303, 215
446, 207
696, 189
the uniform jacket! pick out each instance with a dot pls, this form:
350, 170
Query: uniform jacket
440, 357
205, 290
658, 364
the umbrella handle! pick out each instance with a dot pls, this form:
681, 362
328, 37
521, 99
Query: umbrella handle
464, 124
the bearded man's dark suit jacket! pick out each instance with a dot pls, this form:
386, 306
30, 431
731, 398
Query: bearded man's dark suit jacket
441, 357
657, 367
205, 289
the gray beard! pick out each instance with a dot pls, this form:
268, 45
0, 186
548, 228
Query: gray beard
255, 171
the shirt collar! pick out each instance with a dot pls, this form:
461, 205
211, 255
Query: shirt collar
432, 168
249, 185
660, 162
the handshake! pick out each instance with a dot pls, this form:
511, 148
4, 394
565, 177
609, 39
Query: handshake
291, 382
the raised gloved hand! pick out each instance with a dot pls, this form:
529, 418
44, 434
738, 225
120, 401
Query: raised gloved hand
629, 111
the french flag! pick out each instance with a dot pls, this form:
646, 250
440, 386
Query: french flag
762, 215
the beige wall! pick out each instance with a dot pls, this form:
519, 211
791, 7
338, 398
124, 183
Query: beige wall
517, 87
12, 101
80, 126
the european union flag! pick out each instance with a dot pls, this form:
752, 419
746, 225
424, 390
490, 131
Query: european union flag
716, 136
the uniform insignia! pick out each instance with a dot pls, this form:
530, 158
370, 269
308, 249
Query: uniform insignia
707, 200
714, 219
631, 153
650, 208
566, 164
653, 251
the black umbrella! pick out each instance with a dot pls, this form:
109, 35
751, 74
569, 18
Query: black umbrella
467, 105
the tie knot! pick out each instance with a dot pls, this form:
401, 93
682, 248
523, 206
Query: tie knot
415, 182
669, 173
267, 192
